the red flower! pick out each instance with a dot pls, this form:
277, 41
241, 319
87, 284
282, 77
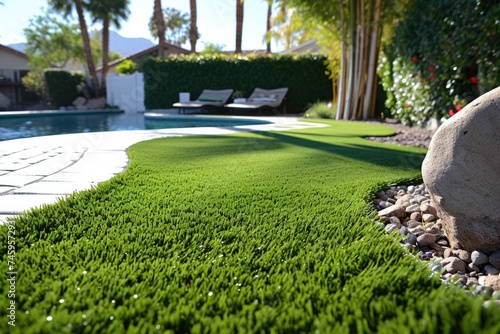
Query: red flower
408, 104
473, 80
414, 59
430, 68
458, 108
431, 76
451, 112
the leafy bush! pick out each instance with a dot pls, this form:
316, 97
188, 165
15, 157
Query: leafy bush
443, 56
305, 76
126, 67
34, 82
63, 86
321, 110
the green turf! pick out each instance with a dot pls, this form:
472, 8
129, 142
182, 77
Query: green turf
254, 232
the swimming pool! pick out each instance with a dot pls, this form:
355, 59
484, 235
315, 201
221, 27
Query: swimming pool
24, 125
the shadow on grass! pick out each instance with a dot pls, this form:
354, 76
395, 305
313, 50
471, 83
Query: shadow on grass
202, 147
402, 158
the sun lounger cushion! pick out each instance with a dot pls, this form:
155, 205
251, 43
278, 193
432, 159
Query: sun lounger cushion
210, 98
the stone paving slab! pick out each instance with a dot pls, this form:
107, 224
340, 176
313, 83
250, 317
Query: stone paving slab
17, 180
4, 190
13, 166
52, 188
46, 167
17, 204
89, 176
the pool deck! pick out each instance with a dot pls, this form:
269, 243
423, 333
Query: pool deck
42, 170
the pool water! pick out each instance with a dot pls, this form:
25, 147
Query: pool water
45, 125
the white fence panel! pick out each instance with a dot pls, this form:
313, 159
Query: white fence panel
126, 91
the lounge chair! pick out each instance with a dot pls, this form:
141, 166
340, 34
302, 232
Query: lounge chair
209, 99
261, 99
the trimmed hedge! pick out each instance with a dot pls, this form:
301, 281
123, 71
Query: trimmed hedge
305, 76
62, 86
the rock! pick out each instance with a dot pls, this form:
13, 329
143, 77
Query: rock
81, 108
453, 265
463, 255
490, 270
390, 227
426, 207
478, 258
96, 104
462, 174
394, 210
79, 101
413, 208
474, 268
413, 223
448, 252
495, 259
395, 220
411, 239
493, 281
416, 216
404, 200
426, 239
427, 217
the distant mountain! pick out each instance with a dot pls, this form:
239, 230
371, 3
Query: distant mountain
127, 46
17, 46
117, 43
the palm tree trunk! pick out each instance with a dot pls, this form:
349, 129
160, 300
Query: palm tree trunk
193, 30
87, 49
268, 26
239, 25
160, 25
105, 54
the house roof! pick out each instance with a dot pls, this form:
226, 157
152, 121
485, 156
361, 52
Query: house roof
14, 52
309, 46
172, 49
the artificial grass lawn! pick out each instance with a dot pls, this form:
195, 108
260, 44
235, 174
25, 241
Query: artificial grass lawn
254, 232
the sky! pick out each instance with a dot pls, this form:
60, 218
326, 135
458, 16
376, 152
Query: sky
216, 21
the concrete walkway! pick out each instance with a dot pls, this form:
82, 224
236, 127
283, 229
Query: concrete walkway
42, 170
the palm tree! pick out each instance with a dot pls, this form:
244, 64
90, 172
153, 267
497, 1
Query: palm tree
269, 25
160, 27
109, 12
65, 7
176, 26
239, 24
193, 29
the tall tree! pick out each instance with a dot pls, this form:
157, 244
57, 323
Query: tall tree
360, 24
108, 12
160, 27
193, 29
66, 7
176, 26
239, 25
50, 42
269, 25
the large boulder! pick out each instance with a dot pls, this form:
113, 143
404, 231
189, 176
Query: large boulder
462, 174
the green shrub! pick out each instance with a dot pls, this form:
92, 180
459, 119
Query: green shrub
63, 86
126, 67
321, 110
443, 56
305, 76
